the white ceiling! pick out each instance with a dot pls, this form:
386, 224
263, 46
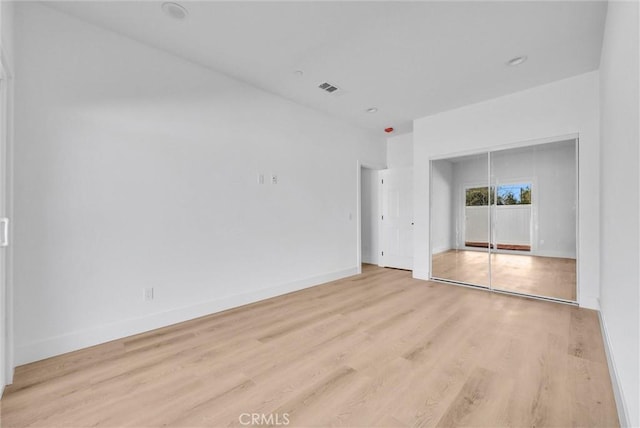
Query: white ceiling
408, 59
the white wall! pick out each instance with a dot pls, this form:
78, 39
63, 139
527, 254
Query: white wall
400, 151
442, 206
370, 213
6, 141
137, 169
6, 29
564, 107
551, 168
620, 229
472, 171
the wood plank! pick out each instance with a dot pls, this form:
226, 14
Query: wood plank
377, 349
522, 273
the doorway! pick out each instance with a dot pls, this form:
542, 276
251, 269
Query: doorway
385, 217
396, 218
513, 204
369, 215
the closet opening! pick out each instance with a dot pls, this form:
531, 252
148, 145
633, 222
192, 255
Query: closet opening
506, 220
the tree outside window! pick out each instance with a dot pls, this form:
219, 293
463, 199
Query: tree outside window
507, 194
479, 196
514, 194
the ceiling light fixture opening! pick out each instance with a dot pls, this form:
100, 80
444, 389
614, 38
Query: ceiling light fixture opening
372, 109
517, 60
174, 10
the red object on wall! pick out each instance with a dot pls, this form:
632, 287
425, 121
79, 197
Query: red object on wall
388, 130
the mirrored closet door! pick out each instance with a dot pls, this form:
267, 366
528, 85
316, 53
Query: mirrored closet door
460, 198
507, 220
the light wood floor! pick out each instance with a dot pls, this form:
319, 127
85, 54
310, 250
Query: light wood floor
377, 349
541, 276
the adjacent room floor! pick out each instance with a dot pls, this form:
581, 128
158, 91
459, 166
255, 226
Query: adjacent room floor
377, 349
539, 276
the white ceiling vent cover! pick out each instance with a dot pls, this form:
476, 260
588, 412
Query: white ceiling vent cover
328, 88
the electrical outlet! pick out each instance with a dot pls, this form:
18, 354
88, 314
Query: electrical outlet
148, 294
274, 179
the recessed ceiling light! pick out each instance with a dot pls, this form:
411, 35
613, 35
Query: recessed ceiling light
372, 109
517, 60
174, 10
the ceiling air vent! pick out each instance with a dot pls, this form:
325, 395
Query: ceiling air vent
328, 87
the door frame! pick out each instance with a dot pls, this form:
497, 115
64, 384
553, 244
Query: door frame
359, 166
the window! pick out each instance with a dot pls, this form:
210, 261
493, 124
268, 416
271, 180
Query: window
478, 196
507, 194
514, 194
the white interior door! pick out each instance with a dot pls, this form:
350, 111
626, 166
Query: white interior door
397, 218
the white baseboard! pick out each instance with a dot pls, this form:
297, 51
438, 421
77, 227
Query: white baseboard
421, 274
555, 254
439, 250
589, 302
370, 259
618, 395
96, 335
